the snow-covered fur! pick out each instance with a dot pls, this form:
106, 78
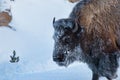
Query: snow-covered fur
91, 34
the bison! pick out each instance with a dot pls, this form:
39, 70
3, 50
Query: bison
90, 34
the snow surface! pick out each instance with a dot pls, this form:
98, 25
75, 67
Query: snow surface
33, 43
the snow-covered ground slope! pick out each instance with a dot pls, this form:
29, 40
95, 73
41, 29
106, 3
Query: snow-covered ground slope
33, 43
33, 39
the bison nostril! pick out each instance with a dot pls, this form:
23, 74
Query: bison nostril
59, 58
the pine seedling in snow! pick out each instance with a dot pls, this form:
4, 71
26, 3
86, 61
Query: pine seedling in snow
14, 59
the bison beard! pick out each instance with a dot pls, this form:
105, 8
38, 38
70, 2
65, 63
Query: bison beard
91, 34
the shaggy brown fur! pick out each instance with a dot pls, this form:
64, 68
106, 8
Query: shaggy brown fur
101, 20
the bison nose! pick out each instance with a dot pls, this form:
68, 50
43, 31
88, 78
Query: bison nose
59, 58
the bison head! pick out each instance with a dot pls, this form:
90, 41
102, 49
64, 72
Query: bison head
66, 36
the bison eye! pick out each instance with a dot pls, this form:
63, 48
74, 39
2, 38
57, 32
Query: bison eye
66, 40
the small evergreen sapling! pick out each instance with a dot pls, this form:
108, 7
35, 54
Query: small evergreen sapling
14, 59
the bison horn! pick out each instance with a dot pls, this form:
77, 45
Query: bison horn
53, 20
75, 28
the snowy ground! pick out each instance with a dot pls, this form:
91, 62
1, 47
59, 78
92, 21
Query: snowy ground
34, 44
